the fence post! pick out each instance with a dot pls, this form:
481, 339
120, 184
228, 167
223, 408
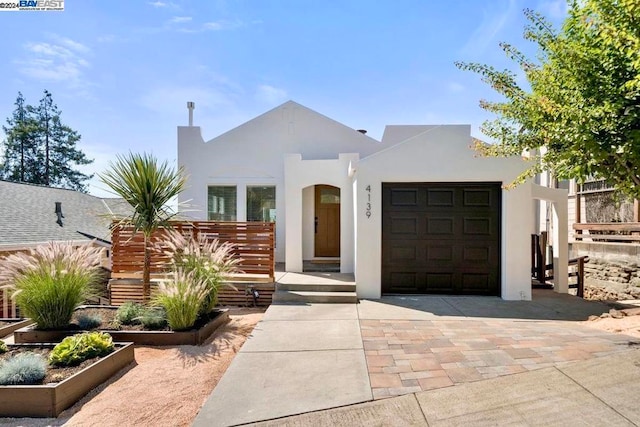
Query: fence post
581, 277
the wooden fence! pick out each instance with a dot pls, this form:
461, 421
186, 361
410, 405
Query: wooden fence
542, 272
8, 308
253, 243
620, 232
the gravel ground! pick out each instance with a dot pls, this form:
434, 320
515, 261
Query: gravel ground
166, 386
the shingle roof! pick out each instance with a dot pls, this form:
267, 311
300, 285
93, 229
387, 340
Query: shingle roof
27, 214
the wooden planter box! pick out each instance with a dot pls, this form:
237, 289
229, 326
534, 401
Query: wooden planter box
14, 324
155, 338
50, 399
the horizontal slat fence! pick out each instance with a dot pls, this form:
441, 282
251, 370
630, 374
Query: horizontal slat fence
621, 232
253, 243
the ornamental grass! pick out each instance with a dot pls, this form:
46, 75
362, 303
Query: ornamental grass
50, 281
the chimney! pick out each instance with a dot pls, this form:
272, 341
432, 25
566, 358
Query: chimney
191, 106
58, 212
362, 131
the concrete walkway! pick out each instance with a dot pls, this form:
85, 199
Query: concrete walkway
299, 358
313, 357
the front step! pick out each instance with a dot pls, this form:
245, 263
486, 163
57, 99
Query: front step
282, 296
318, 287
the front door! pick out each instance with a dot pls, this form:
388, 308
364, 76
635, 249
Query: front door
327, 221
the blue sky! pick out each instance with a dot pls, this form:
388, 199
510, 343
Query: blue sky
122, 71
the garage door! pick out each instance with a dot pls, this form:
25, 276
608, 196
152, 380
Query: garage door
441, 238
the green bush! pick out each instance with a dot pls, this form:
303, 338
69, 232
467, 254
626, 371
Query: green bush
209, 262
89, 321
129, 313
181, 297
76, 349
23, 369
3, 347
154, 318
51, 281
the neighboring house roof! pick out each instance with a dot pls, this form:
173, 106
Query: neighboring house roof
28, 214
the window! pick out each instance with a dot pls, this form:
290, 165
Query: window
329, 195
221, 203
261, 203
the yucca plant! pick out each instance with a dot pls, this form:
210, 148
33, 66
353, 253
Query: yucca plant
148, 186
181, 297
208, 261
50, 281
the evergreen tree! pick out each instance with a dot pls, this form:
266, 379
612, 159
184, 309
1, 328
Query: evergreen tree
39, 149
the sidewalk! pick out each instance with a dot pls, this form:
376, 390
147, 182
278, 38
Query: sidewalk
597, 392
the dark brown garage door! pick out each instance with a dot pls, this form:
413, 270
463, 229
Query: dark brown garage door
441, 238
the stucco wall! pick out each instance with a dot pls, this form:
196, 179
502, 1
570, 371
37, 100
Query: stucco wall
442, 154
300, 175
253, 154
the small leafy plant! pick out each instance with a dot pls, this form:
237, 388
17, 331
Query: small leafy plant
23, 369
129, 313
182, 298
51, 281
3, 347
154, 318
89, 321
75, 349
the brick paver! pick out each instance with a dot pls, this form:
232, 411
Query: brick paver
405, 356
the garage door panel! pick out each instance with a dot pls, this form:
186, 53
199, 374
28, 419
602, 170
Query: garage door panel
476, 283
441, 238
477, 198
400, 225
440, 225
475, 226
441, 197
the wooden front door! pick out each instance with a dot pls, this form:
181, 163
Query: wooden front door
327, 221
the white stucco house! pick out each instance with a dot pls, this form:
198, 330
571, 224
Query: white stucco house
417, 212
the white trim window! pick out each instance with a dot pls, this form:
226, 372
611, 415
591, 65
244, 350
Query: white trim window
221, 203
261, 203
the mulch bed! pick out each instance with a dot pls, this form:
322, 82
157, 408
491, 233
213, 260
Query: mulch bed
54, 374
108, 320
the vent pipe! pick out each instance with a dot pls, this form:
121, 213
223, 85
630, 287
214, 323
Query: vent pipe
362, 131
58, 212
191, 106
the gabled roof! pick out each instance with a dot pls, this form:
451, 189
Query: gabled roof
394, 134
28, 214
290, 106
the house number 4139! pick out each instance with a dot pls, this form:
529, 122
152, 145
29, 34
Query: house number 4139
367, 212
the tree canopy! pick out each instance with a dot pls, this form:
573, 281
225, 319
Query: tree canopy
39, 149
581, 108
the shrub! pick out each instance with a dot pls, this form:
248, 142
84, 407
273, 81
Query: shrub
3, 347
209, 261
51, 281
181, 297
129, 313
23, 369
89, 321
76, 349
154, 318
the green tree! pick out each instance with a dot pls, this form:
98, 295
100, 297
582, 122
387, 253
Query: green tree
581, 108
39, 149
149, 187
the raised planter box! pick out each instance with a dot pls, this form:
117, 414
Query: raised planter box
50, 399
155, 338
13, 325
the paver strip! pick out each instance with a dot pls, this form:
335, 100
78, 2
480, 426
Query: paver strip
405, 356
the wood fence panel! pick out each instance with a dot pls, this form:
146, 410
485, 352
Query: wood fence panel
253, 243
